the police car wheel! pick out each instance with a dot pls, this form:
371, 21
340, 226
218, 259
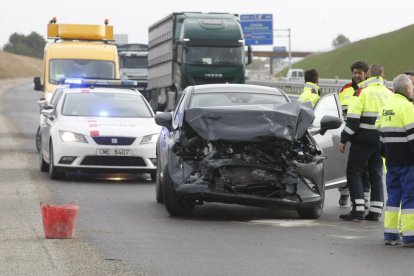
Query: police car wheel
54, 173
43, 166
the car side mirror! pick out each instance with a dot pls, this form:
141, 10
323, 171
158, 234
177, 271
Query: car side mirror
48, 113
329, 122
42, 102
37, 84
164, 119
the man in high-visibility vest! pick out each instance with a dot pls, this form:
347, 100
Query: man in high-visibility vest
396, 127
311, 91
360, 130
359, 71
410, 74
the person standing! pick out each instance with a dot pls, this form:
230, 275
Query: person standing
360, 130
359, 71
396, 127
311, 91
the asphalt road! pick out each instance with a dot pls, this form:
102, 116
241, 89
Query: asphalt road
121, 230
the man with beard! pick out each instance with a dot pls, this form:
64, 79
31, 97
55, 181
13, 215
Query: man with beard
359, 71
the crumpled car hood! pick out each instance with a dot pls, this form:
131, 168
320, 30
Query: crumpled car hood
251, 123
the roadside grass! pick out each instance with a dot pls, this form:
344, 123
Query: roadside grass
394, 50
15, 66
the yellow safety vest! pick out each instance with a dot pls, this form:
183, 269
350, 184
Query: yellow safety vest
363, 111
310, 93
396, 127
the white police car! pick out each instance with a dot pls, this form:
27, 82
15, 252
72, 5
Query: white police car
98, 126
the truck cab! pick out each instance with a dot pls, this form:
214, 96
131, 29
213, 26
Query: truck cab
192, 48
77, 51
133, 63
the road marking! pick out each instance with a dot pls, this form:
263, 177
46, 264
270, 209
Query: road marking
345, 237
288, 223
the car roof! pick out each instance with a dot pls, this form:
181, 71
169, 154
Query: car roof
243, 88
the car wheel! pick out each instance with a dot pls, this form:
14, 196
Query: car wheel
158, 187
175, 206
54, 173
153, 176
38, 139
310, 213
313, 212
43, 166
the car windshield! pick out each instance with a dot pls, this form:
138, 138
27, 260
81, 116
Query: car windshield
133, 62
101, 104
80, 68
214, 55
236, 99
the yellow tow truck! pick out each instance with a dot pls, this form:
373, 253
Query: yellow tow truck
77, 51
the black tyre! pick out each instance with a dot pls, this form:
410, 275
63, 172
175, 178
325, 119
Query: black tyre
54, 173
153, 176
158, 187
313, 212
38, 139
175, 206
43, 166
310, 213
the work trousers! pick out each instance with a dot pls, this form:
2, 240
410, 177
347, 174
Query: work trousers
365, 181
361, 156
400, 191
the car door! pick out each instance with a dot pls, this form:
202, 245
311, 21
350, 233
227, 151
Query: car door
46, 126
166, 135
335, 165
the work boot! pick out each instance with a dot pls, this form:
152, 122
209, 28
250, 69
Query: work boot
353, 215
392, 242
343, 200
371, 216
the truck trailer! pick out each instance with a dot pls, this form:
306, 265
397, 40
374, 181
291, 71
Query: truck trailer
192, 48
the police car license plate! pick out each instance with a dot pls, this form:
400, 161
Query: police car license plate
114, 152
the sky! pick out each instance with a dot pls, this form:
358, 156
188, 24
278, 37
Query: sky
313, 24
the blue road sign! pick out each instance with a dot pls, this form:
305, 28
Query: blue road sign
257, 28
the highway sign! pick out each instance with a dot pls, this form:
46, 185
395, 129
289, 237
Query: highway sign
257, 28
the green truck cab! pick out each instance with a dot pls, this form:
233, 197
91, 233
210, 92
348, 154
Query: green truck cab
191, 48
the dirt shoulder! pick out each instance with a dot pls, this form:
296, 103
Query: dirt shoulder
15, 66
24, 249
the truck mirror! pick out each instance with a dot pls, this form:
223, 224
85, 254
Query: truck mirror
37, 84
249, 54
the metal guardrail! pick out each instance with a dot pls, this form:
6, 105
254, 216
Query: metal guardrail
296, 88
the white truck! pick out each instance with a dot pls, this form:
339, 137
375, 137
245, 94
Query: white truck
133, 63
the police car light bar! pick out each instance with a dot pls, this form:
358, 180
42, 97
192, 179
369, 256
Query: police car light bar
78, 82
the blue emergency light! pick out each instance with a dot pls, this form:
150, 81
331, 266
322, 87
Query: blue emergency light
80, 82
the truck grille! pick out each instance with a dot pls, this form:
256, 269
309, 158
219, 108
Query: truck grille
124, 161
116, 141
198, 80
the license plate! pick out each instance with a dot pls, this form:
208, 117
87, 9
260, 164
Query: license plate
114, 152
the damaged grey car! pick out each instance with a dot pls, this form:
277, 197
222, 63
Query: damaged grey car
248, 145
